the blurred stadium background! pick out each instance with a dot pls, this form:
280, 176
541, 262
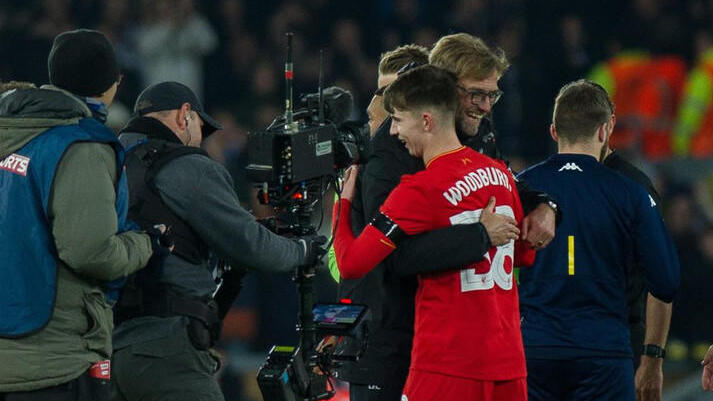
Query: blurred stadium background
654, 56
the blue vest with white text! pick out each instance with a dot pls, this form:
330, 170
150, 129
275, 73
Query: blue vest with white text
28, 271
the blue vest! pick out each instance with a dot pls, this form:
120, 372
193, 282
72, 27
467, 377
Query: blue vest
28, 257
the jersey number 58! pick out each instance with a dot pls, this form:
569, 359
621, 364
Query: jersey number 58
501, 263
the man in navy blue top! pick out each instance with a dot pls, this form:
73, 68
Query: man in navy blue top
573, 299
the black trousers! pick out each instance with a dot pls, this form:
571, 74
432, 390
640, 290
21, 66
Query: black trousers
165, 369
83, 388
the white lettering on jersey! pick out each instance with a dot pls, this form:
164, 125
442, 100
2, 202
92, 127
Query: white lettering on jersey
474, 181
570, 166
16, 164
501, 262
653, 202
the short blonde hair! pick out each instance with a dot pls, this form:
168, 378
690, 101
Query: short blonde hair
8, 86
468, 57
392, 61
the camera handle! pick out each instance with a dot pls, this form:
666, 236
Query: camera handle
310, 386
304, 279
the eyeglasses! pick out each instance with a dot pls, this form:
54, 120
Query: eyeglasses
479, 95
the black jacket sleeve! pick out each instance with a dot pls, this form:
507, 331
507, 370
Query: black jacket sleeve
388, 162
484, 142
440, 250
623, 166
530, 199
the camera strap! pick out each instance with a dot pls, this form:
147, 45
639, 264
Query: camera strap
166, 304
146, 207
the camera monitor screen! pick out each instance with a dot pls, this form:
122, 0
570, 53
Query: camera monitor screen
338, 315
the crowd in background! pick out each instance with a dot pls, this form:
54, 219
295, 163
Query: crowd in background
232, 54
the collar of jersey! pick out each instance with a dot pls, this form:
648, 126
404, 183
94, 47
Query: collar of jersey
574, 156
438, 156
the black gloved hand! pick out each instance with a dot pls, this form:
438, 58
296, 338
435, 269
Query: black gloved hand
311, 245
161, 245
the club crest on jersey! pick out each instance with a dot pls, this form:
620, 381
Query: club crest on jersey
570, 166
15, 164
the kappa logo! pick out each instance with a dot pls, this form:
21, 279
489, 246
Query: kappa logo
653, 202
570, 166
16, 164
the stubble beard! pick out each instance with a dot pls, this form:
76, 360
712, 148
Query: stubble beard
466, 125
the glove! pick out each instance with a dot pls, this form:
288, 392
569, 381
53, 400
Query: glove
161, 245
311, 245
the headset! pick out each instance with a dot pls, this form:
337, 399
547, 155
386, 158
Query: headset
187, 119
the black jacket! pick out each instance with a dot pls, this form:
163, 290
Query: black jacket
390, 288
200, 191
636, 286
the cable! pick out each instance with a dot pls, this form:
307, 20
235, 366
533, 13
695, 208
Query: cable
339, 209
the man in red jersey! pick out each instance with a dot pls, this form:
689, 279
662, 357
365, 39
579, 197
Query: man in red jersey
467, 342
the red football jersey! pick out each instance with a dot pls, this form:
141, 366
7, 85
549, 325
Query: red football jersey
467, 322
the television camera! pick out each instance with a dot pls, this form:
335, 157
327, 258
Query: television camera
294, 162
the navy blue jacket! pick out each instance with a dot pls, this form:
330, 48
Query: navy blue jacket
573, 299
29, 259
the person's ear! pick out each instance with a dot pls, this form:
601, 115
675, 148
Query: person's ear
612, 121
427, 119
553, 133
604, 131
183, 116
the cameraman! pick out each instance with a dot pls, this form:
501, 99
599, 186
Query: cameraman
168, 317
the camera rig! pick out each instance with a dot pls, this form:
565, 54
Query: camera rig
294, 162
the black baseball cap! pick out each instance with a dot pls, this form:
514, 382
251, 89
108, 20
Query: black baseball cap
171, 96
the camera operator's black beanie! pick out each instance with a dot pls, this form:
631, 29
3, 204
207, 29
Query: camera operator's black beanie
82, 62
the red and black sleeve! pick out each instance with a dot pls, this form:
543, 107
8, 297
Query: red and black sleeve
358, 256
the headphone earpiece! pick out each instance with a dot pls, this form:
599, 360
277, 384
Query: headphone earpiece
188, 131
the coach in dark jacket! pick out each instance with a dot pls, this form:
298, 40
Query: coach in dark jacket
392, 285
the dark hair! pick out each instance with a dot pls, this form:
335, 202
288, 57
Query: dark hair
422, 87
580, 107
392, 61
